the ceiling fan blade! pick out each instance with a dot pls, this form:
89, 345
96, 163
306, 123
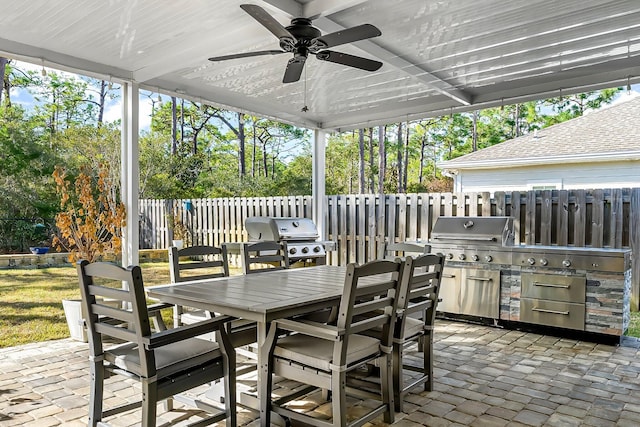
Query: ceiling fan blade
246, 55
348, 35
349, 60
294, 69
268, 21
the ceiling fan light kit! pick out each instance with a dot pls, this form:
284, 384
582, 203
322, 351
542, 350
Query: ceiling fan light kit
301, 38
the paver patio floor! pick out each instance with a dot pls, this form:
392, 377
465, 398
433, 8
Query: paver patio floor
484, 376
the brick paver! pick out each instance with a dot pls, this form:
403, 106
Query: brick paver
484, 376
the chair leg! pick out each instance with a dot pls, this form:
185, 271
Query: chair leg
397, 376
149, 403
427, 355
386, 383
177, 313
339, 398
96, 393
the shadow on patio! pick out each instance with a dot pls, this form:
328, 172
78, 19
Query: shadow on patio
484, 376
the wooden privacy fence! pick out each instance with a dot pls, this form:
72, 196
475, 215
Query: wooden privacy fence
360, 224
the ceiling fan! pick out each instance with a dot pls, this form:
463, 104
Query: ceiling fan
301, 38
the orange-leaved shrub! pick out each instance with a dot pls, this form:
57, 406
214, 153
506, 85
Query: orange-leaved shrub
91, 218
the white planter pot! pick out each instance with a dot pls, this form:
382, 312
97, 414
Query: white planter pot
178, 243
73, 313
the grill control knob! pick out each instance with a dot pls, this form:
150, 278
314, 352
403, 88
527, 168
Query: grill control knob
305, 250
475, 257
544, 261
488, 258
462, 257
317, 249
449, 256
566, 263
293, 251
531, 261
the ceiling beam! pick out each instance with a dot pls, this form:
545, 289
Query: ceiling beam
392, 58
317, 8
312, 9
326, 7
50, 58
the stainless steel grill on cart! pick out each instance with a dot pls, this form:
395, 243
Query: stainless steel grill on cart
300, 234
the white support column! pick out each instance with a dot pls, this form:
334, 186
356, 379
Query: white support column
318, 189
130, 172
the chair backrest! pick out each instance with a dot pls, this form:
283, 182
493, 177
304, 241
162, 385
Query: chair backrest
369, 301
264, 256
204, 262
125, 317
390, 250
419, 289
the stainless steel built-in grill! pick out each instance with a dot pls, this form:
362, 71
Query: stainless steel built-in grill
487, 276
300, 234
476, 249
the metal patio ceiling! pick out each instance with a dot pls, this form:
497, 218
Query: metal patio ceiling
439, 56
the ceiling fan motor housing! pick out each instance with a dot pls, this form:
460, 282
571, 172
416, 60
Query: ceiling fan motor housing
304, 34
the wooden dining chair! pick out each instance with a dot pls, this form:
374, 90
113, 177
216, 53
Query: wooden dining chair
391, 250
417, 301
195, 263
166, 363
321, 355
206, 262
264, 256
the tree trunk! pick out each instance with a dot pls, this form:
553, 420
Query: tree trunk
174, 126
3, 79
371, 165
516, 120
361, 182
475, 131
101, 102
382, 159
181, 121
423, 146
406, 160
241, 146
264, 159
399, 156
253, 159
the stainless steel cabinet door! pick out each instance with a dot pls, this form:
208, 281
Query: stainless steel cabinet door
480, 293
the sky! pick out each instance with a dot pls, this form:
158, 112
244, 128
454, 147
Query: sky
113, 109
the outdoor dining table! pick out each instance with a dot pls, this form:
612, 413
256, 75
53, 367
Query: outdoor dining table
261, 297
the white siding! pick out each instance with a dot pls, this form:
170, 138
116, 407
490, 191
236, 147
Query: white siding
564, 176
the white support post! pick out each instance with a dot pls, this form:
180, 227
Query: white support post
130, 172
318, 188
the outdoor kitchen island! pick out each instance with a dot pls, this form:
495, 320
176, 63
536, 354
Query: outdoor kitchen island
488, 278
586, 289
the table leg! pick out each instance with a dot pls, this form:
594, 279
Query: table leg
266, 341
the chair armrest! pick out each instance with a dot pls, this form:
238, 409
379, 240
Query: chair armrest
157, 307
170, 336
155, 312
314, 329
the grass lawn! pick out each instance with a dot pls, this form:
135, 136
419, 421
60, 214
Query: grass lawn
31, 302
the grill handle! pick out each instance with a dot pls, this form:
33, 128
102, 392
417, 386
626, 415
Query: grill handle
480, 279
551, 285
469, 238
542, 310
449, 276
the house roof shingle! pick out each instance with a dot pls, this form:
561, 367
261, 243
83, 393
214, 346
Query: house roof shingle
609, 133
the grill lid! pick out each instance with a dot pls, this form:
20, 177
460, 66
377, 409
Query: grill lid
481, 230
280, 228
